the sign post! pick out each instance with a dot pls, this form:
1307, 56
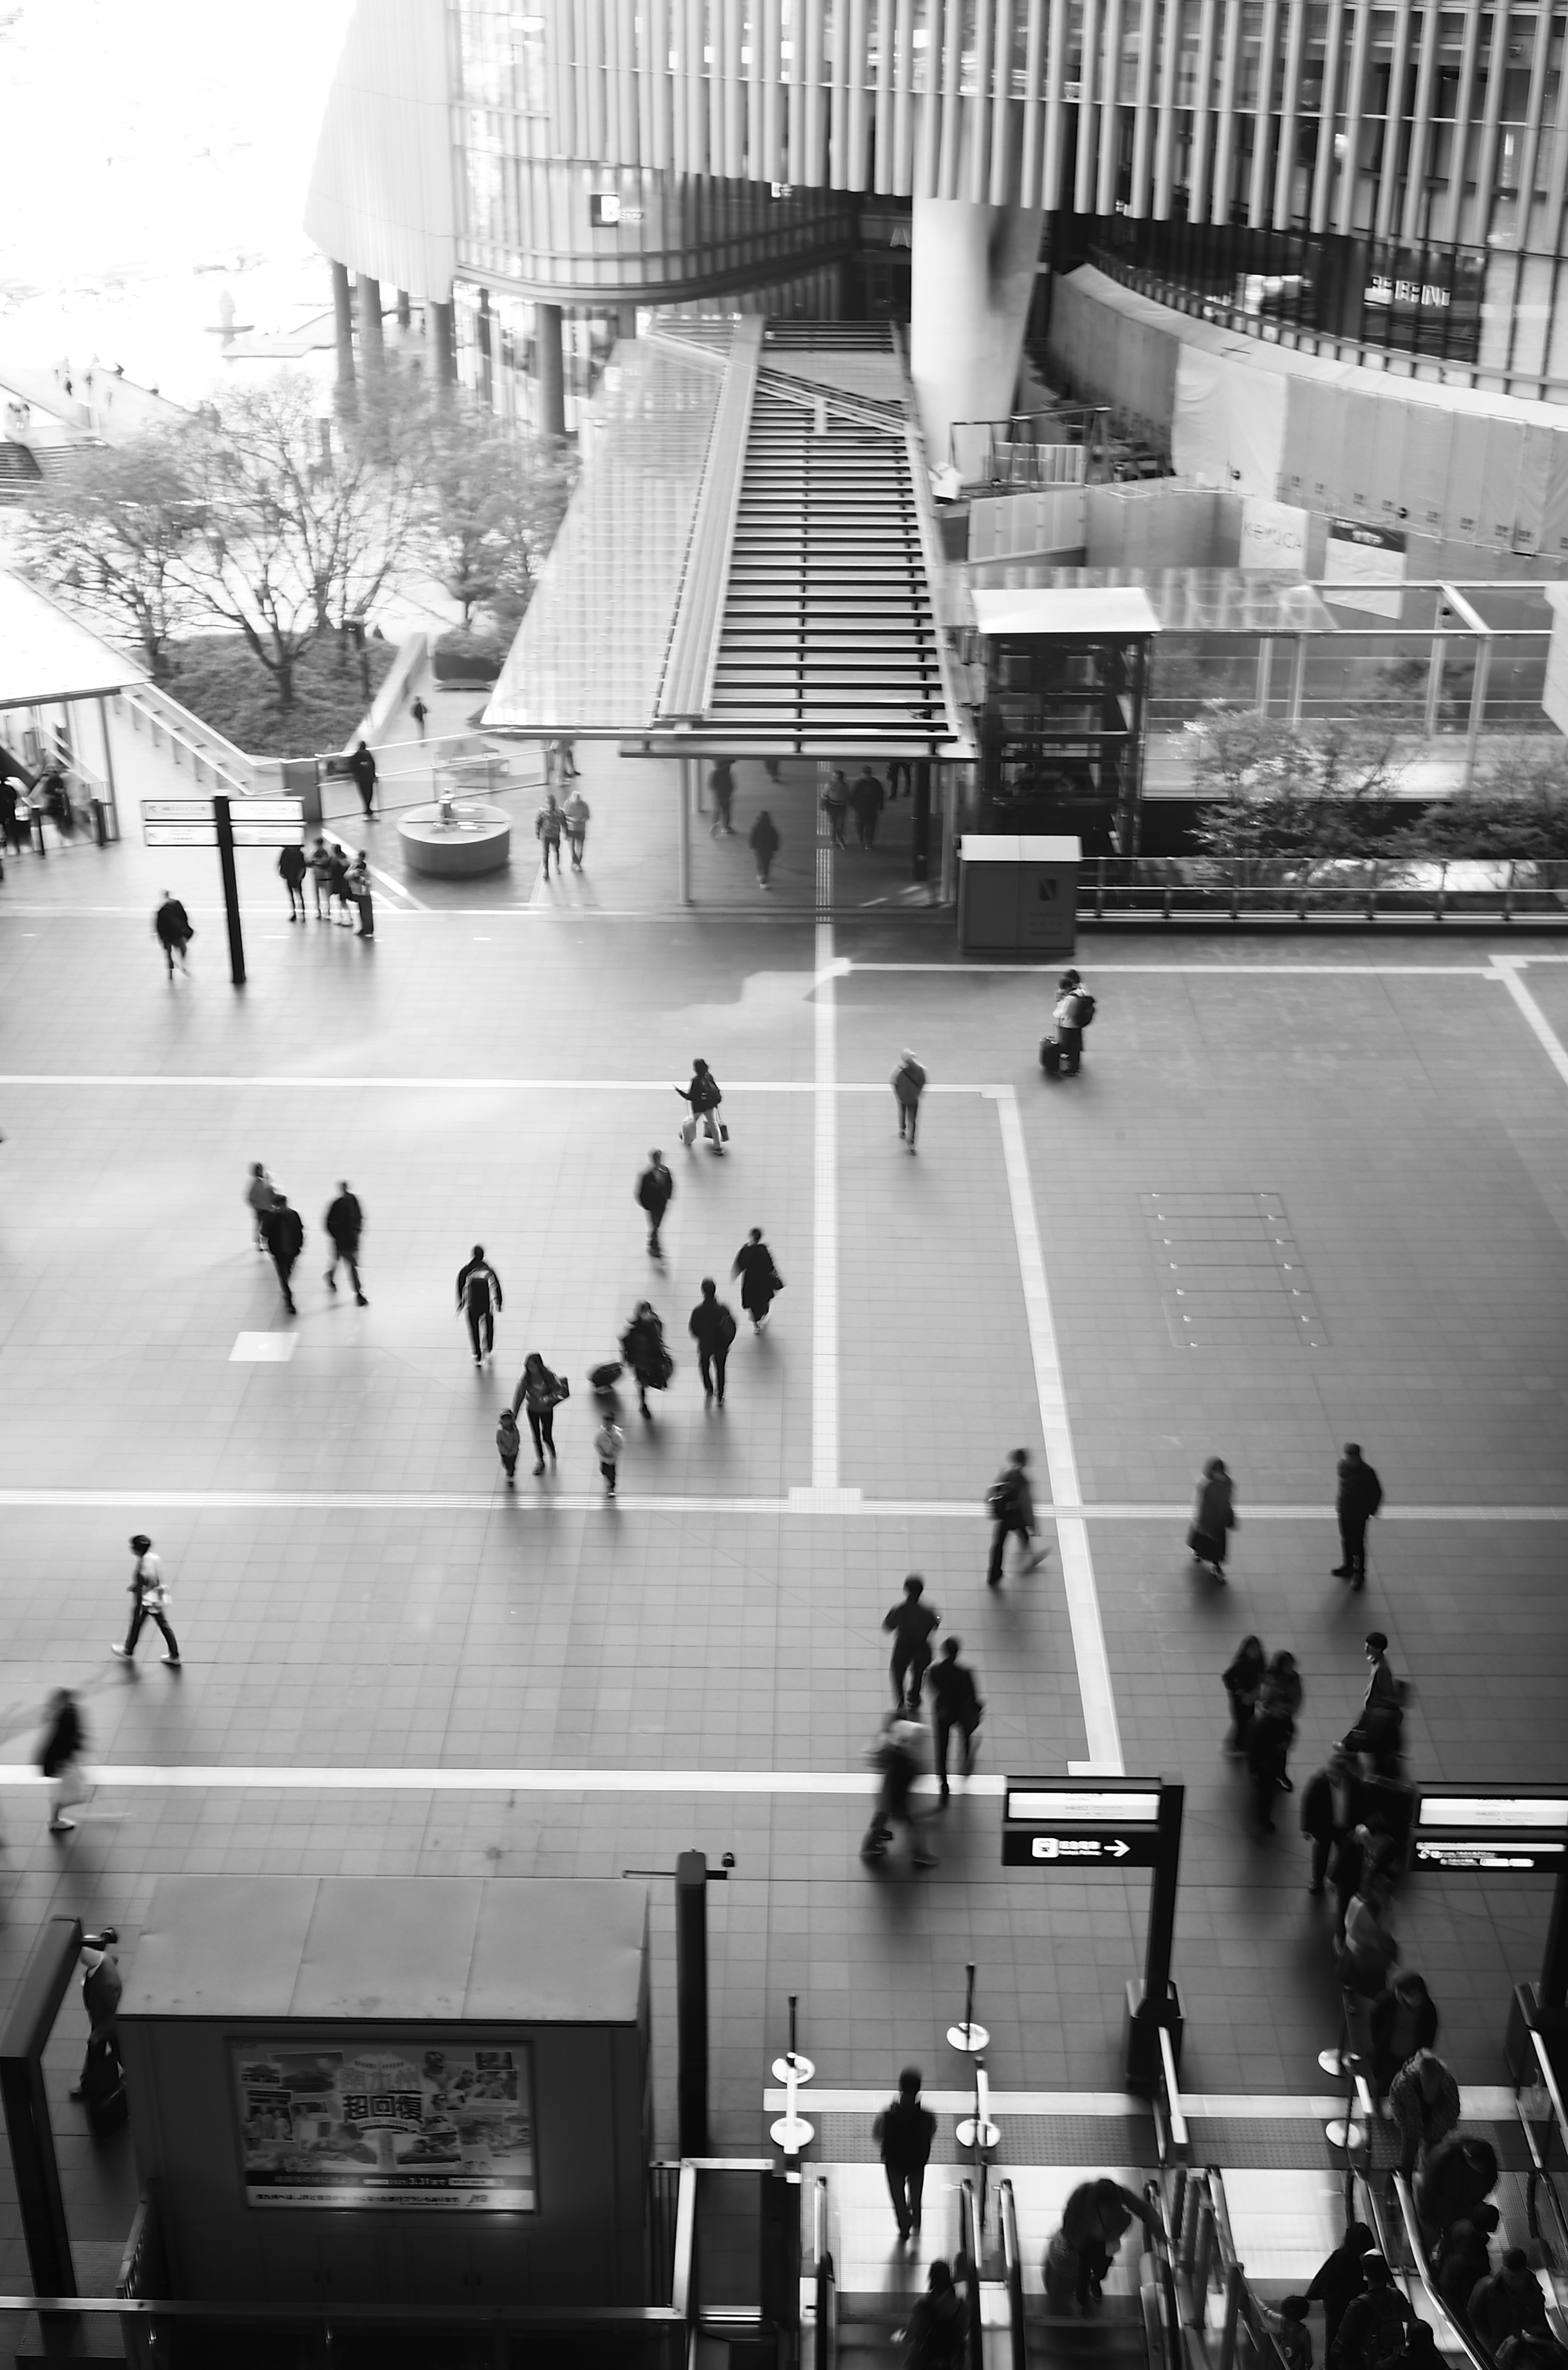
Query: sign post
230, 889
1071, 1825
210, 822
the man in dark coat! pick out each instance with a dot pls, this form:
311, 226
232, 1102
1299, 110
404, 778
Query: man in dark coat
866, 802
1329, 1808
345, 1224
291, 872
904, 2131
1341, 2276
478, 1300
1458, 2175
171, 923
911, 1624
712, 1327
655, 1191
1508, 2303
1357, 1499
1376, 2322
361, 765
955, 1703
282, 1231
760, 1279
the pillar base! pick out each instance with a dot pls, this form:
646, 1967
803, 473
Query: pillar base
971, 280
1141, 2037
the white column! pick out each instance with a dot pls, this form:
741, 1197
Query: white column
972, 276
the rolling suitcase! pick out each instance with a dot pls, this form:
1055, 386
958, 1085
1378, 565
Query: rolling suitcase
1051, 1057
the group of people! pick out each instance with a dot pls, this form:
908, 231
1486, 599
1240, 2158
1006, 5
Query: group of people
1358, 1495
899, 1754
555, 822
863, 797
279, 1230
336, 881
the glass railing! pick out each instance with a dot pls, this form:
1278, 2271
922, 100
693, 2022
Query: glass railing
1301, 889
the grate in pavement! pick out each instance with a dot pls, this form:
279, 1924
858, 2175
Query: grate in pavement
1230, 1272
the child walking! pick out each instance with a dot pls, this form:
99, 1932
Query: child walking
508, 1442
608, 1442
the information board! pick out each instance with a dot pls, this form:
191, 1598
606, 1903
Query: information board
191, 823
394, 2126
1482, 1829
1064, 1823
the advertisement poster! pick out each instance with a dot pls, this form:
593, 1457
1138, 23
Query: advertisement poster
1274, 536
1359, 559
395, 2125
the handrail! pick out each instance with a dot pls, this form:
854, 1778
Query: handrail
223, 772
1164, 2241
683, 2287
826, 2301
1172, 2089
1242, 2308
1013, 2268
693, 652
1541, 2179
1446, 2316
969, 2247
1549, 2080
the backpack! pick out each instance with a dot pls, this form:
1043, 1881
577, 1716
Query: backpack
1083, 1009
939, 2327
1001, 1497
1383, 2332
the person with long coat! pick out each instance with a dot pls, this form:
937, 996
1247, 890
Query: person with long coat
643, 1347
760, 1279
1213, 1516
764, 842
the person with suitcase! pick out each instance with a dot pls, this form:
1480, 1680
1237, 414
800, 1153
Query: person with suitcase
1074, 1010
704, 1097
100, 2085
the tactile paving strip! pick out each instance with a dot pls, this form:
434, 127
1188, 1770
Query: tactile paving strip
1230, 1272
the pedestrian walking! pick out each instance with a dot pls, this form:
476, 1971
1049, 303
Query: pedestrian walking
655, 1191
1508, 2303
150, 1601
508, 1443
1370, 1946
760, 1280
260, 1195
1331, 1807
1075, 1008
1242, 1679
291, 872
320, 863
722, 784
643, 1348
712, 1327
283, 1232
955, 1703
357, 886
1009, 1501
538, 1394
479, 1301
609, 1442
765, 843
704, 1097
566, 759
174, 931
908, 1085
1268, 1743
1282, 1696
904, 2132
1457, 2177
898, 1758
549, 824
1356, 1498
835, 805
419, 711
1463, 2256
1214, 1517
1340, 2278
578, 814
1423, 2102
911, 1624
60, 1759
1377, 2323
936, 2337
361, 765
1095, 2219
1401, 2025
102, 1990
344, 1223
866, 798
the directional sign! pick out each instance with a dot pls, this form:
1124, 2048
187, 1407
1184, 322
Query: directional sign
179, 834
248, 810
1519, 1830
1065, 1824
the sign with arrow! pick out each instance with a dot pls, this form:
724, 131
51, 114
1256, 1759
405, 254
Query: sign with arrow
1065, 1824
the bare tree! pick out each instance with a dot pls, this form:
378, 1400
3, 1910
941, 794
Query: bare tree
491, 499
1273, 790
109, 532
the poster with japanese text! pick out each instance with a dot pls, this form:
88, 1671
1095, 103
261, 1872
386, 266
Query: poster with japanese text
395, 2125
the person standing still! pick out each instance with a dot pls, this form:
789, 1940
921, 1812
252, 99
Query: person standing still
259, 1196
1074, 1010
361, 765
64, 1743
722, 783
712, 1327
1010, 1504
284, 1234
764, 842
320, 863
171, 926
903, 2131
508, 1444
908, 1085
547, 826
1357, 1499
655, 1191
345, 1224
911, 1623
291, 872
955, 1703
478, 1300
150, 1601
357, 884
578, 813
835, 805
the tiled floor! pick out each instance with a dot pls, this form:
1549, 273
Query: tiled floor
499, 1076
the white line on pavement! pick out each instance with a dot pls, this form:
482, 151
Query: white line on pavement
799, 1501
1078, 1565
336, 1779
1479, 2103
1508, 970
825, 1217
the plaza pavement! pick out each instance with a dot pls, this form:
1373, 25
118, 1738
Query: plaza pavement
355, 1593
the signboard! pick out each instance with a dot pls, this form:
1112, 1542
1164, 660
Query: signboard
1273, 536
1360, 557
1063, 1824
1555, 693
190, 822
290, 811
394, 2126
205, 835
1492, 1829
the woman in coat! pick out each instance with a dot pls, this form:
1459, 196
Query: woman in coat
540, 1392
643, 1347
1213, 1516
762, 841
760, 1279
1243, 1680
64, 1744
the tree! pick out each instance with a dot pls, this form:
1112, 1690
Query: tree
109, 532
491, 500
1271, 790
1517, 806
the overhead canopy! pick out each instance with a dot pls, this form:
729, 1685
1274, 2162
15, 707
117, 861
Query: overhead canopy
47, 656
1111, 611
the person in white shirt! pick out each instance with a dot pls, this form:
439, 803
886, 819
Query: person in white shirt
149, 1602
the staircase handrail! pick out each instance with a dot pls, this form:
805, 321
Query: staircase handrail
826, 2298
1012, 2270
1540, 2181
1442, 2312
1163, 2234
969, 2248
1242, 2308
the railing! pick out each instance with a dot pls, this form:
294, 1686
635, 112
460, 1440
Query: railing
1212, 2268
1438, 2307
1301, 889
212, 758
1540, 2184
967, 2274
1163, 2244
1012, 2273
421, 773
1028, 448
825, 2318
1170, 2122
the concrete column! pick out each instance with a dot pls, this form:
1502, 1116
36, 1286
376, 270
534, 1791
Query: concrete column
405, 310
971, 280
344, 317
443, 336
371, 347
485, 328
552, 369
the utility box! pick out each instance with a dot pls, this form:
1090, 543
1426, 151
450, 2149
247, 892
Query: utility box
1018, 897
420, 2088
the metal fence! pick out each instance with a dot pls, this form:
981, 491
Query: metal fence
1210, 889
